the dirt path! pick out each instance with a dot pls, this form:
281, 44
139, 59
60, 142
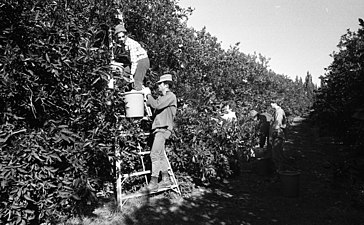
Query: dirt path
254, 199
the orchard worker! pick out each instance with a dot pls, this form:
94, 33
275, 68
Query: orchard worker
277, 131
165, 111
138, 57
264, 120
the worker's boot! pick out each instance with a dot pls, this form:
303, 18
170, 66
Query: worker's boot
166, 181
152, 186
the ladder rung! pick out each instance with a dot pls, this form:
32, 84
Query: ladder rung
139, 194
173, 187
136, 174
143, 153
127, 134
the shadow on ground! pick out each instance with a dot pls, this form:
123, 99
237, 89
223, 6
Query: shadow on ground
254, 199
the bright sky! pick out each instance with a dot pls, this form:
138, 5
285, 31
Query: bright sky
297, 35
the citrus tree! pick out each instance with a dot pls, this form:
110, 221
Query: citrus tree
339, 108
53, 90
59, 138
341, 92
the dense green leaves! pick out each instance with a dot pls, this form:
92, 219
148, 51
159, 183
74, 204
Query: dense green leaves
59, 139
37, 174
341, 93
52, 85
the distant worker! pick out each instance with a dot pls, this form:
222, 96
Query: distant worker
165, 111
229, 115
277, 132
138, 57
263, 127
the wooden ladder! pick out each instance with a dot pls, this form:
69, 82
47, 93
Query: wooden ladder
121, 178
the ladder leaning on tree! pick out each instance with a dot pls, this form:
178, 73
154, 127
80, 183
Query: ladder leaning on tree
122, 198
122, 177
136, 108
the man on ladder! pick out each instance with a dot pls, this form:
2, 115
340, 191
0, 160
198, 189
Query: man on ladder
138, 57
165, 111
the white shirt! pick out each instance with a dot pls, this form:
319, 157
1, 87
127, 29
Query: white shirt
137, 52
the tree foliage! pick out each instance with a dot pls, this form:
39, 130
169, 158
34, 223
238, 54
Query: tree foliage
341, 93
59, 138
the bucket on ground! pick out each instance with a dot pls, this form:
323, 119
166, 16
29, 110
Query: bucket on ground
263, 166
134, 104
290, 183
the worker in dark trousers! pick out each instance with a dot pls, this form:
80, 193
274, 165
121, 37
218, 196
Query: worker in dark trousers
264, 120
138, 57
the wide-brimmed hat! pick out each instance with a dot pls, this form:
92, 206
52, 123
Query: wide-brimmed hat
165, 77
253, 113
119, 28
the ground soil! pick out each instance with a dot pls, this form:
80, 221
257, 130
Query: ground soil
254, 197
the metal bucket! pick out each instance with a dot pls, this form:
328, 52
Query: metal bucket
264, 167
290, 183
134, 104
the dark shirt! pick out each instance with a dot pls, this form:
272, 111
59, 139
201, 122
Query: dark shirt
264, 122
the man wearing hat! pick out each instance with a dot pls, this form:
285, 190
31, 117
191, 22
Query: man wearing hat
165, 111
138, 57
277, 132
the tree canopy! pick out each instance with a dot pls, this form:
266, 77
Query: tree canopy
58, 138
341, 93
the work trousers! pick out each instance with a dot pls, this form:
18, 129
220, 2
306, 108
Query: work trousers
278, 139
264, 138
157, 154
141, 69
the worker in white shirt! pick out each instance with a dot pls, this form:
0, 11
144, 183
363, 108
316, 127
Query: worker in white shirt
277, 134
138, 57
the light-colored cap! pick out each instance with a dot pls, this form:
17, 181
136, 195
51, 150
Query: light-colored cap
274, 105
165, 77
253, 113
119, 28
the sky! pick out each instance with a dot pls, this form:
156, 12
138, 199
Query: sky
297, 36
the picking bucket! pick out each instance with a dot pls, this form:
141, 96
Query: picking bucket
289, 183
134, 104
263, 166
